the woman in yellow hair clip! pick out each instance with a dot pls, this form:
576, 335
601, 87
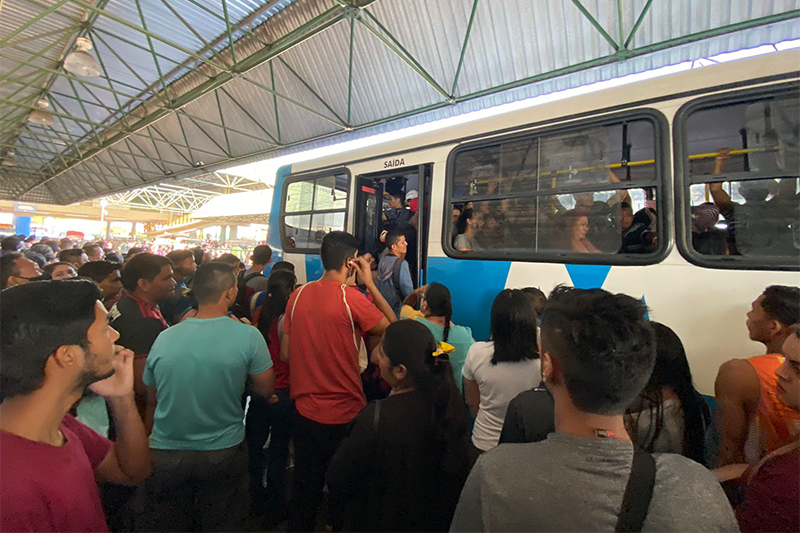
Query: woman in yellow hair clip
406, 459
435, 314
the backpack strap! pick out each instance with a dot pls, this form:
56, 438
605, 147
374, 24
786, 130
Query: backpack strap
350, 316
638, 493
398, 264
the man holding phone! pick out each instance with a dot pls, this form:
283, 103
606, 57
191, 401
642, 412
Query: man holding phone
323, 340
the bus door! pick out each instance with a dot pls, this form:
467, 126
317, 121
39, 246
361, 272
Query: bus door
374, 214
369, 206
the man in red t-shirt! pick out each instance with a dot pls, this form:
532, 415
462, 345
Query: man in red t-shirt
323, 332
55, 341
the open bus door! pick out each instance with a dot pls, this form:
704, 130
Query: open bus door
371, 203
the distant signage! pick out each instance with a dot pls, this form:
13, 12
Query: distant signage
25, 208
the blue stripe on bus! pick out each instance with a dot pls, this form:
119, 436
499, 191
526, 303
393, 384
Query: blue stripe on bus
588, 276
473, 286
314, 270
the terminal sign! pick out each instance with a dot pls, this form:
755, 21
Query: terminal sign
392, 163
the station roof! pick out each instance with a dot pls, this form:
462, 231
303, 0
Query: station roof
187, 87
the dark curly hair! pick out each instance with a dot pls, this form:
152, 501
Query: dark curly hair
604, 345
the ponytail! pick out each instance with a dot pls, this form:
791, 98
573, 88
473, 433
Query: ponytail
437, 297
279, 288
411, 344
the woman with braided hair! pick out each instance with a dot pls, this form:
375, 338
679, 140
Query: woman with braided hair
406, 459
435, 313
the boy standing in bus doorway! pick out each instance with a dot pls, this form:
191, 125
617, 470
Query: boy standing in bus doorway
754, 421
397, 214
394, 275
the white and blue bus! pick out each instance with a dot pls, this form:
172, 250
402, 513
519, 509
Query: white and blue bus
704, 164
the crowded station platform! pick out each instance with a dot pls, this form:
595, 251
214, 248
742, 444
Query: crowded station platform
399, 265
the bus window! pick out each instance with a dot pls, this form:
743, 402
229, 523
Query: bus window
313, 207
589, 193
741, 166
606, 222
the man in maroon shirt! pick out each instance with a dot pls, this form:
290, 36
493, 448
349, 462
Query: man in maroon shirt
55, 341
772, 497
147, 279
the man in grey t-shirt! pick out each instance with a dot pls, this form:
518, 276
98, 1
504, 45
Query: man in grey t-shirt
597, 353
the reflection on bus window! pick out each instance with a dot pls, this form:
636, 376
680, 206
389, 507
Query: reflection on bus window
743, 168
605, 222
314, 208
746, 218
572, 159
592, 190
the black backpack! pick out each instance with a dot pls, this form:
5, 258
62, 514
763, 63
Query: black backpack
398, 264
241, 309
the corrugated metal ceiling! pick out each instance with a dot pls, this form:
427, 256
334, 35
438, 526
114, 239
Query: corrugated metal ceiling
176, 99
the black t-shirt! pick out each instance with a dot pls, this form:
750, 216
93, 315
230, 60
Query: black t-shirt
392, 474
397, 217
530, 416
138, 324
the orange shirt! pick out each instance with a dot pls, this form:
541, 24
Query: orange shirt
774, 419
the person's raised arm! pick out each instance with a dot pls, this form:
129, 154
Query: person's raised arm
365, 274
721, 198
737, 392
128, 461
621, 195
415, 296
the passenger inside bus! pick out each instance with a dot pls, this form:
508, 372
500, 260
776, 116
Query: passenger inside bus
469, 224
397, 212
765, 221
639, 233
577, 224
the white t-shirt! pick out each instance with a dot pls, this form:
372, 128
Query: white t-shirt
498, 385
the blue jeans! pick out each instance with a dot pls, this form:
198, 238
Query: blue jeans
275, 421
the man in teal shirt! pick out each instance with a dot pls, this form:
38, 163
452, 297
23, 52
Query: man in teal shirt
196, 375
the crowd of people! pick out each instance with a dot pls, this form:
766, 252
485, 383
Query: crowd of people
578, 414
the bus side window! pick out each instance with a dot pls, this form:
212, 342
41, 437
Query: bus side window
741, 170
314, 207
589, 191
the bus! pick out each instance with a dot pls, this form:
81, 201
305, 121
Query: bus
680, 190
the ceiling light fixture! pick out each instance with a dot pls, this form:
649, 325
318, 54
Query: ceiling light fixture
9, 160
40, 115
81, 62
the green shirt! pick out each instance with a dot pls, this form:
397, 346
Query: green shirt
199, 368
460, 337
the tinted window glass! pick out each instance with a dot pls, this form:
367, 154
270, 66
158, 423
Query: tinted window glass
741, 170
590, 190
605, 222
299, 196
313, 208
752, 218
